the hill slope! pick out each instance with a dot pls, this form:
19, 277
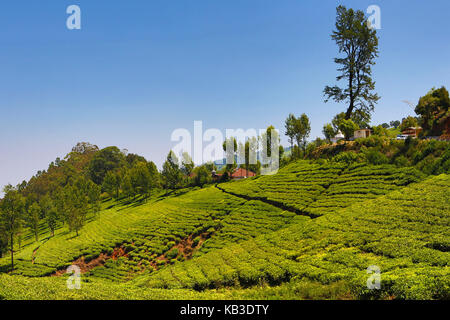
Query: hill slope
309, 225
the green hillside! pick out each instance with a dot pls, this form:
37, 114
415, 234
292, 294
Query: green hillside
310, 231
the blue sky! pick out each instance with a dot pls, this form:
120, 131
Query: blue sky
137, 70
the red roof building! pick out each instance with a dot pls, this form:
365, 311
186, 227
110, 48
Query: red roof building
239, 173
242, 173
446, 134
412, 131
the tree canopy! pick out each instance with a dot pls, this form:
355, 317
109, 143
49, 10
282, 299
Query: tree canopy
358, 44
105, 160
433, 109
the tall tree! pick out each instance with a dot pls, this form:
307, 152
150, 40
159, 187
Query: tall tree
408, 122
348, 128
111, 184
171, 171
270, 142
34, 212
3, 240
59, 200
93, 194
107, 159
133, 158
127, 185
434, 111
49, 212
187, 165
77, 203
11, 216
302, 128
230, 147
77, 207
210, 166
394, 124
141, 178
155, 177
328, 131
251, 149
289, 125
358, 43
202, 176
266, 140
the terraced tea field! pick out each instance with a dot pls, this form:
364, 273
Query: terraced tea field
405, 233
315, 190
309, 231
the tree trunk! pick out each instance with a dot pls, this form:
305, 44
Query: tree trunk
352, 98
12, 252
348, 114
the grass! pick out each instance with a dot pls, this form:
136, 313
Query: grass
321, 189
400, 232
309, 231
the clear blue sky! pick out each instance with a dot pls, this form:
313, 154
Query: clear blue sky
137, 70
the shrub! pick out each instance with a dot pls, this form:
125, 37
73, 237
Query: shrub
402, 161
429, 165
349, 157
170, 244
160, 262
372, 141
196, 241
380, 131
173, 253
376, 157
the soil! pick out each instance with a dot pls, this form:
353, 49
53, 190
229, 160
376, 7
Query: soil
185, 248
86, 266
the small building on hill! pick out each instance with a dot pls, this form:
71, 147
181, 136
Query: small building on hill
238, 174
337, 137
446, 134
216, 176
242, 173
362, 133
412, 131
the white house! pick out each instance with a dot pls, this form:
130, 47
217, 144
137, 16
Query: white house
362, 133
337, 137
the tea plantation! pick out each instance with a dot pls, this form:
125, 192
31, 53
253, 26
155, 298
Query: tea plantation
308, 232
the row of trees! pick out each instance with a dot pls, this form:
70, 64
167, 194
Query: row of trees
67, 205
141, 179
297, 130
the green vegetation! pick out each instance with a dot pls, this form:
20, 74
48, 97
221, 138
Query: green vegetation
434, 111
404, 233
358, 46
312, 230
309, 231
314, 189
428, 156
